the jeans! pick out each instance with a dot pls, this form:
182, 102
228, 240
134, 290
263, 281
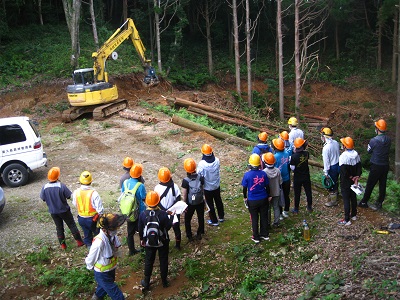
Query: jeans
89, 229
106, 285
334, 174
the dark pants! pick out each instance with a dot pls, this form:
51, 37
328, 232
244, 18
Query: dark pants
286, 191
132, 227
163, 257
297, 184
349, 202
68, 218
376, 173
199, 209
89, 229
177, 229
334, 174
212, 196
106, 285
258, 213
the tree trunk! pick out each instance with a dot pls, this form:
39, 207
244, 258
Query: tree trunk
94, 27
297, 55
72, 12
40, 12
280, 58
395, 46
125, 10
209, 44
151, 33
236, 47
337, 40
158, 39
248, 57
379, 54
397, 146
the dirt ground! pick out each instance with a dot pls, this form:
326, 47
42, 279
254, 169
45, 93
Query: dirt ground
100, 147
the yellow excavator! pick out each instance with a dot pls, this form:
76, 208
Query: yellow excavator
92, 92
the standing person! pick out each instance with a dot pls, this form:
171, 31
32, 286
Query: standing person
350, 172
282, 159
190, 167
209, 168
88, 202
140, 195
127, 164
379, 148
164, 224
256, 197
103, 257
275, 183
294, 131
55, 194
169, 194
262, 146
301, 174
284, 136
330, 157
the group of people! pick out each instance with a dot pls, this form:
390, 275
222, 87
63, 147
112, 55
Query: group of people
266, 185
200, 191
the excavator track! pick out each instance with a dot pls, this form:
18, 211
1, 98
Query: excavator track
99, 112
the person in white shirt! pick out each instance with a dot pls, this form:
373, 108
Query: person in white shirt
294, 131
103, 257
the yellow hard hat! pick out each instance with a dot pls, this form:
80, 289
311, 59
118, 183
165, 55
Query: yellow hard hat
254, 160
293, 121
111, 221
86, 178
326, 131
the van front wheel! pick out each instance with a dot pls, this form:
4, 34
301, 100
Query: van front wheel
15, 175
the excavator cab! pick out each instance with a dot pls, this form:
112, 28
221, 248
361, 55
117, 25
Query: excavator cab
83, 76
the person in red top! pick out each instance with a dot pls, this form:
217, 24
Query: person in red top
89, 205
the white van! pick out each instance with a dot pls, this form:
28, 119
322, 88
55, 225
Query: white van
21, 150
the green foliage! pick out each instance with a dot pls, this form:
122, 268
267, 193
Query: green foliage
43, 256
243, 252
384, 289
325, 283
192, 267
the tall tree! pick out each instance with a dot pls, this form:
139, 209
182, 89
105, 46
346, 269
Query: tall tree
234, 7
397, 144
280, 57
72, 10
94, 27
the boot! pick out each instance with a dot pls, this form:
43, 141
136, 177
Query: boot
61, 240
178, 245
333, 200
78, 239
145, 283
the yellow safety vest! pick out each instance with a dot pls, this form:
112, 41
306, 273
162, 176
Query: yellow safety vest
84, 203
103, 268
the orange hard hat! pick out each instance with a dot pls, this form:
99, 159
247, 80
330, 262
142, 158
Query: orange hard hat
128, 162
206, 149
278, 144
164, 175
136, 171
284, 135
53, 174
381, 125
152, 199
189, 165
347, 142
263, 136
268, 158
298, 142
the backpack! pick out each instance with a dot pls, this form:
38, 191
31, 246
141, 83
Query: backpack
195, 192
152, 231
128, 204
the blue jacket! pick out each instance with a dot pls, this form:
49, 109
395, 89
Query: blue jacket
282, 163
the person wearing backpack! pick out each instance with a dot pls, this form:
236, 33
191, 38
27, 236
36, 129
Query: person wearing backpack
169, 194
89, 205
131, 203
154, 224
193, 196
127, 164
209, 168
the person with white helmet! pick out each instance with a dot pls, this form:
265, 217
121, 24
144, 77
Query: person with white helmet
103, 257
330, 157
55, 194
89, 205
256, 197
379, 148
295, 132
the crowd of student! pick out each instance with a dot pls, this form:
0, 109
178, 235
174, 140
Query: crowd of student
266, 187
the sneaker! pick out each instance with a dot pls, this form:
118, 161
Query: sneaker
135, 251
265, 238
221, 220
332, 203
209, 222
190, 239
95, 297
354, 218
281, 218
63, 246
309, 209
285, 214
344, 222
375, 206
362, 204
198, 237
295, 211
165, 283
255, 240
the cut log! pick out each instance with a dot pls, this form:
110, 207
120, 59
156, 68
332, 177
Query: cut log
132, 115
309, 116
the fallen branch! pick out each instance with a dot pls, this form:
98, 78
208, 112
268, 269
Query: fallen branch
132, 115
